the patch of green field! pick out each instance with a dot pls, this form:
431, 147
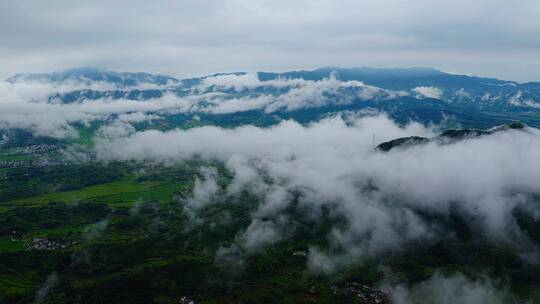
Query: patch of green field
6, 245
86, 136
118, 194
14, 285
15, 157
55, 232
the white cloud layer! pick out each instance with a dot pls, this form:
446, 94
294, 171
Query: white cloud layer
25, 104
428, 92
456, 289
333, 163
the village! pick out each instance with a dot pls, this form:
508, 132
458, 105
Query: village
14, 164
41, 243
362, 292
48, 244
40, 149
32, 163
29, 150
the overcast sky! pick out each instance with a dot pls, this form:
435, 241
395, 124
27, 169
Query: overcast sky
499, 38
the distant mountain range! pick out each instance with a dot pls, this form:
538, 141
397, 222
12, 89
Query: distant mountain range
89, 75
418, 94
482, 92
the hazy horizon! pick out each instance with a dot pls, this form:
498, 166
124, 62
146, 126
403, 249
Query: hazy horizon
200, 74
482, 38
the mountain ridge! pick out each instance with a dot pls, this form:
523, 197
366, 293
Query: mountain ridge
322, 71
419, 94
86, 74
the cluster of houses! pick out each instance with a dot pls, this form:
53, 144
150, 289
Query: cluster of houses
33, 149
13, 164
364, 293
47, 244
39, 149
185, 300
34, 163
40, 243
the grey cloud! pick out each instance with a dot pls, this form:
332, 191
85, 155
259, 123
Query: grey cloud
258, 234
301, 93
117, 129
50, 282
456, 289
137, 117
204, 189
188, 37
95, 230
24, 104
428, 92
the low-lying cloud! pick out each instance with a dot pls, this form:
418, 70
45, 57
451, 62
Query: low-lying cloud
428, 92
455, 289
48, 285
27, 105
333, 163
